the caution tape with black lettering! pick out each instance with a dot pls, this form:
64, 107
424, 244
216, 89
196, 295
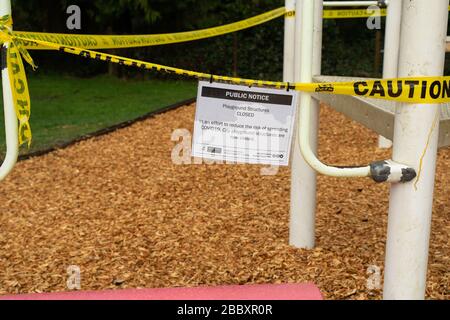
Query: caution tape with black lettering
12, 55
409, 90
354, 13
134, 41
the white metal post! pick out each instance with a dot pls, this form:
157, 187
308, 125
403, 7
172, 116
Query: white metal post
11, 123
391, 51
289, 39
422, 53
303, 177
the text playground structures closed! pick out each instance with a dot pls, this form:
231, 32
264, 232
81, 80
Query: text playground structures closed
238, 124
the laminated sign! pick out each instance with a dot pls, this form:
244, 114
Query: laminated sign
238, 124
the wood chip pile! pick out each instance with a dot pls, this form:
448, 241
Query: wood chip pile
117, 207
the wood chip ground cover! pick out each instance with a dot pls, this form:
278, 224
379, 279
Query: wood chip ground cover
117, 207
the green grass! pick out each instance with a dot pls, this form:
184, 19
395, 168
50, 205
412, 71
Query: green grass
64, 108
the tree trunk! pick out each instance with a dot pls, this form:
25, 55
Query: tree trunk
377, 62
235, 55
113, 68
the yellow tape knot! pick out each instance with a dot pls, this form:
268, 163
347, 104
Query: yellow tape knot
17, 77
6, 36
6, 29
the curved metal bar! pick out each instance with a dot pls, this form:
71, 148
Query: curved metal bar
306, 63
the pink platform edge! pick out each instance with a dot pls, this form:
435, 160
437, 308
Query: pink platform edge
243, 292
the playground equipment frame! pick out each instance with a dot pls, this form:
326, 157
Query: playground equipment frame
423, 26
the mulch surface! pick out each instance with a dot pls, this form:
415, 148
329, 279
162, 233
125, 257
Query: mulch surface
117, 207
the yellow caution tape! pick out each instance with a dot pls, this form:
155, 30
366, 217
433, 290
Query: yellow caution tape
290, 14
410, 90
13, 53
347, 14
110, 42
130, 41
353, 14
21, 96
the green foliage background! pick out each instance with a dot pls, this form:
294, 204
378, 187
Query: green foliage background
349, 46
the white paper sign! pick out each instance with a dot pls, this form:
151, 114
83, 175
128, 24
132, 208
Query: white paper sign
238, 124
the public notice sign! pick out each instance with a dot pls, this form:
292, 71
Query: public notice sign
238, 124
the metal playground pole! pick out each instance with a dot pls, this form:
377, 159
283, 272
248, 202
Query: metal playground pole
422, 53
391, 51
289, 39
303, 177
